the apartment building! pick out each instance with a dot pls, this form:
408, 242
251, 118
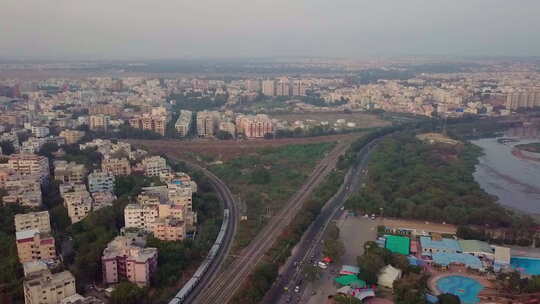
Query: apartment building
183, 123
40, 131
154, 166
269, 87
102, 199
78, 204
65, 188
207, 123
100, 181
99, 122
283, 88
44, 287
156, 122
298, 88
116, 166
30, 165
33, 245
69, 172
126, 258
168, 229
254, 126
528, 98
39, 221
165, 211
72, 136
32, 145
7, 174
253, 85
24, 190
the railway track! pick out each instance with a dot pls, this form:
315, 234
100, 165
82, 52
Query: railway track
224, 286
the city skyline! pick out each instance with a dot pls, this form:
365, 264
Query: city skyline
352, 29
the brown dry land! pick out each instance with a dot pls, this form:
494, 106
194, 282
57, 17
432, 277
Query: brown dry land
224, 150
362, 120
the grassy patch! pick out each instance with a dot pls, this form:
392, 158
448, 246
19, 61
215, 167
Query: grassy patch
266, 179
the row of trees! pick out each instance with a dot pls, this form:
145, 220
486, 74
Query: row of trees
411, 179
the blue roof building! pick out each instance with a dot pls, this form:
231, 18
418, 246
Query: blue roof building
444, 245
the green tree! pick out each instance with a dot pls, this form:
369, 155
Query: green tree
260, 176
410, 289
128, 293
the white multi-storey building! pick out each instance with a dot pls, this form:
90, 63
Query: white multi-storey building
154, 166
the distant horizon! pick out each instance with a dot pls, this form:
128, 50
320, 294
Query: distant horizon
122, 29
281, 57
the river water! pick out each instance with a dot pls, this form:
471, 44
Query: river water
516, 182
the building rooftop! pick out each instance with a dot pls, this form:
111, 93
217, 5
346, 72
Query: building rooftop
475, 246
443, 244
26, 234
468, 260
398, 244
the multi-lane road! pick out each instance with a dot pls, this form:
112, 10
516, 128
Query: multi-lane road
222, 287
292, 272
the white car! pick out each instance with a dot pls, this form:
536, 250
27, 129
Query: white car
322, 265
297, 289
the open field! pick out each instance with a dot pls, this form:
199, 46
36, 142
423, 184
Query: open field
362, 120
209, 150
264, 180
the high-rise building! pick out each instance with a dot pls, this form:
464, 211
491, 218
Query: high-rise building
523, 99
99, 122
283, 88
269, 87
207, 123
254, 126
183, 123
253, 85
298, 88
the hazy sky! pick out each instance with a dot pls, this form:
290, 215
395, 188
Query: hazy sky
101, 29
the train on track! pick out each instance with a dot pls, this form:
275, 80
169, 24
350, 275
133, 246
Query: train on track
184, 292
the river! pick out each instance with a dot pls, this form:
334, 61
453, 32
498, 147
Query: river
516, 182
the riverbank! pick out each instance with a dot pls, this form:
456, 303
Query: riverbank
512, 179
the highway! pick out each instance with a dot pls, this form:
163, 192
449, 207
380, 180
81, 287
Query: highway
307, 248
224, 286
